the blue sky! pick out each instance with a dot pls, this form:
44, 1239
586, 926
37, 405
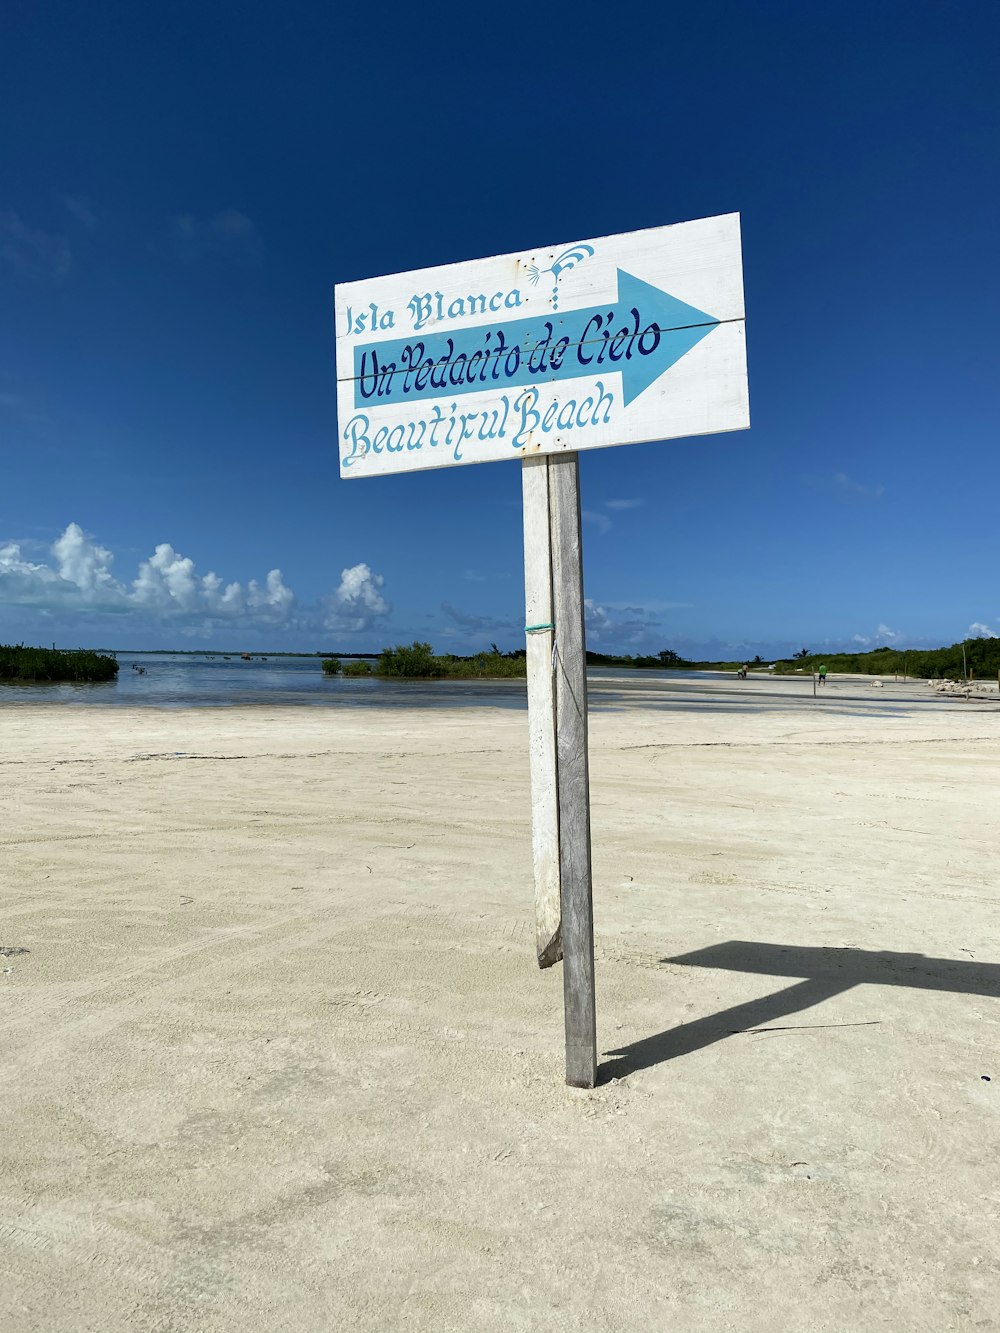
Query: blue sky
181, 186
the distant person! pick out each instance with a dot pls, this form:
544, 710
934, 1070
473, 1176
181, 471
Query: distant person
822, 673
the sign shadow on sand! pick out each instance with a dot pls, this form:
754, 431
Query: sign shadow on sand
823, 973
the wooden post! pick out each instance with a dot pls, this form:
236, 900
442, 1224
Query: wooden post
539, 630
568, 718
573, 772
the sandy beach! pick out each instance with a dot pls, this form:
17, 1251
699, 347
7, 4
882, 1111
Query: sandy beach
277, 1054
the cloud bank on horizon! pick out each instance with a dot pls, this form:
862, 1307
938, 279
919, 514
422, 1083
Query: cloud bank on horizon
76, 592
78, 585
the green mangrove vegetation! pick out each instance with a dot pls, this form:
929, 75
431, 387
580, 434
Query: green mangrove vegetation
418, 661
666, 660
51, 664
332, 666
979, 658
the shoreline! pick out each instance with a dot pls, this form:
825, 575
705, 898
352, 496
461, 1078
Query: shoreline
608, 688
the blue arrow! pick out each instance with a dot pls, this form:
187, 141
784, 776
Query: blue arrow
682, 327
641, 334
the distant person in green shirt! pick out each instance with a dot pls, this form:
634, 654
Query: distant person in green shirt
822, 673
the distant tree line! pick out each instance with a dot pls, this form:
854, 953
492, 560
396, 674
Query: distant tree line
981, 659
418, 661
664, 660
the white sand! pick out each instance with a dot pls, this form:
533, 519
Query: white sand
279, 1056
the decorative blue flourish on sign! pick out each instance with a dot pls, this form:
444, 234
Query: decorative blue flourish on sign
576, 254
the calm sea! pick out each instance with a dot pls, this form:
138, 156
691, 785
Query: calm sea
212, 680
180, 680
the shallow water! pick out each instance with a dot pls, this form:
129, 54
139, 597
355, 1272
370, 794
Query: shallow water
211, 680
179, 680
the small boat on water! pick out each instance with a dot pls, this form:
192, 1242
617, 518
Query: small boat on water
246, 657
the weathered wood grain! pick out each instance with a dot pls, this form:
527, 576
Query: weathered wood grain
573, 773
541, 710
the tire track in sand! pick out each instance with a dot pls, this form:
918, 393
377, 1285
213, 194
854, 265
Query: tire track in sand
32, 1008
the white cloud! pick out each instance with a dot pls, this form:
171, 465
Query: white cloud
882, 637
229, 235
977, 630
82, 576
595, 617
358, 602
274, 598
478, 624
80, 209
622, 504
166, 581
87, 566
626, 625
856, 490
32, 253
168, 589
600, 521
21, 581
647, 608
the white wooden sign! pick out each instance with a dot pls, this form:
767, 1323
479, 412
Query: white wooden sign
537, 356
611, 341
